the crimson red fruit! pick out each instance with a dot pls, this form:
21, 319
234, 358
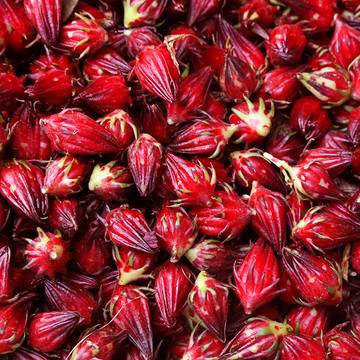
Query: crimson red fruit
62, 325
209, 300
257, 277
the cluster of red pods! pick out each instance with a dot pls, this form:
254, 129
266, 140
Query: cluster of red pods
180, 179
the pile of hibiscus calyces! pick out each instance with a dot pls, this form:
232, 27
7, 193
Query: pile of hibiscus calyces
180, 179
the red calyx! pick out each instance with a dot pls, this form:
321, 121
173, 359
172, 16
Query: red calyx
72, 131
317, 279
66, 296
145, 163
130, 309
157, 71
128, 227
209, 299
47, 254
172, 287
257, 277
226, 218
62, 324
191, 182
176, 231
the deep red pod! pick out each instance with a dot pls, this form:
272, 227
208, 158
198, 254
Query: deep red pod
172, 287
62, 324
191, 96
72, 131
65, 215
228, 37
28, 140
285, 143
176, 231
301, 348
250, 165
201, 9
47, 254
82, 36
257, 277
209, 300
281, 85
258, 338
192, 182
310, 180
185, 40
52, 88
105, 62
64, 176
252, 122
145, 163
345, 43
212, 256
316, 15
327, 227
237, 79
111, 181
13, 320
330, 84
226, 218
158, 72
120, 124
138, 38
20, 185
66, 296
205, 137
343, 346
269, 217
11, 90
334, 160
317, 279
309, 321
286, 45
20, 31
50, 61
310, 118
138, 12
103, 341
336, 139
128, 227
129, 308
91, 253
45, 17
203, 345
105, 94
133, 265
